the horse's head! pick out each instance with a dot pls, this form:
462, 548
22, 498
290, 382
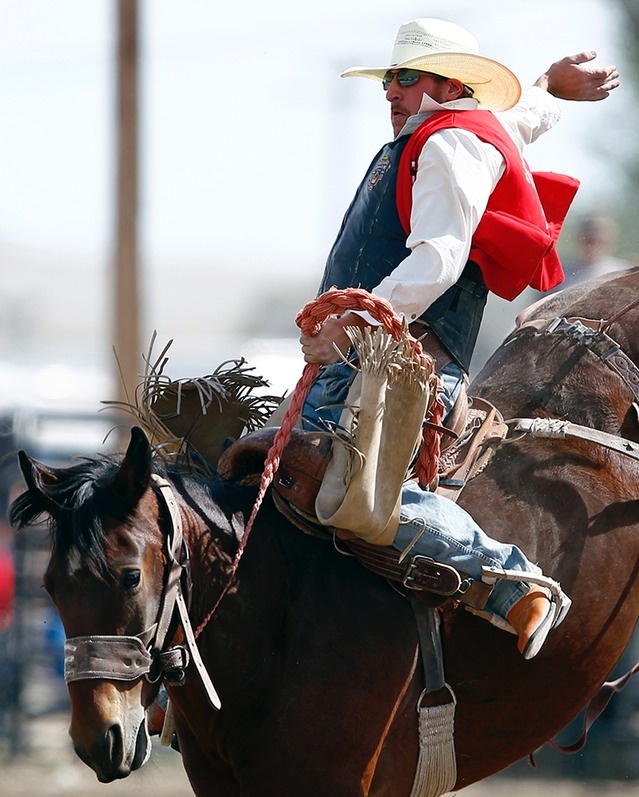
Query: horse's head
105, 576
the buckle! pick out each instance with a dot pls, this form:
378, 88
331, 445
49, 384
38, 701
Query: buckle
424, 573
173, 664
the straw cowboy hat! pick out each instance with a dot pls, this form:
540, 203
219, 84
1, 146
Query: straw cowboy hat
434, 45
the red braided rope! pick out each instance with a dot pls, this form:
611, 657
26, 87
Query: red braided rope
309, 375
309, 320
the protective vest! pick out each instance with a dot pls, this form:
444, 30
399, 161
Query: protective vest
372, 242
515, 241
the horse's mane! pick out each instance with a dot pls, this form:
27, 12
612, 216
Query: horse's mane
74, 499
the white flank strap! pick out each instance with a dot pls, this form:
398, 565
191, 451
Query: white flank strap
436, 771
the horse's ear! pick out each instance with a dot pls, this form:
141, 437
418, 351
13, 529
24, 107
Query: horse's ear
37, 478
134, 475
35, 475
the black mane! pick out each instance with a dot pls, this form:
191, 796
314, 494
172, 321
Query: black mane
74, 499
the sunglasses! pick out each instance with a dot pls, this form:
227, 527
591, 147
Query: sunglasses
406, 77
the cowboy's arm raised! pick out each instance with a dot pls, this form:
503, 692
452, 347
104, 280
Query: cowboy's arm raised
571, 78
574, 78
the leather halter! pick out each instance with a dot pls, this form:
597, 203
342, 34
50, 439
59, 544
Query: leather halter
127, 658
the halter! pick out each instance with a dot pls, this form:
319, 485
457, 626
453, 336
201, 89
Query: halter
127, 658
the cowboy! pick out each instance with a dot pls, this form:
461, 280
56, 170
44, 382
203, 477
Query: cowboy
427, 251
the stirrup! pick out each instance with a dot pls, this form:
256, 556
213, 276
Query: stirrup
559, 598
560, 603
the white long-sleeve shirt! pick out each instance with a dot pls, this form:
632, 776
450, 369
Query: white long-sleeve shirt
456, 174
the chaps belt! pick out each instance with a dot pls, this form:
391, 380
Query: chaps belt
420, 573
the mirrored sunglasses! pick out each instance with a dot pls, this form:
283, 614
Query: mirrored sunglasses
405, 77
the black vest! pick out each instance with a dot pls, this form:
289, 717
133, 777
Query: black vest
371, 243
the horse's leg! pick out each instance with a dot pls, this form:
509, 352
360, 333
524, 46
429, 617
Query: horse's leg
208, 774
396, 756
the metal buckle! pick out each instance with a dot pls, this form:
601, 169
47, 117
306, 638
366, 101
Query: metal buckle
174, 663
409, 580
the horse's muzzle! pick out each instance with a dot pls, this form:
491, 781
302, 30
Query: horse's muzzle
112, 737
108, 757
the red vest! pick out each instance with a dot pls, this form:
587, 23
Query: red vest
514, 243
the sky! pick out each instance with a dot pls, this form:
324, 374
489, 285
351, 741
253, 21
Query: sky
247, 130
251, 144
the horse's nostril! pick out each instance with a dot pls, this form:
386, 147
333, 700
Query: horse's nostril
115, 744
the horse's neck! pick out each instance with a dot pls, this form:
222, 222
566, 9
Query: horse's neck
550, 377
235, 600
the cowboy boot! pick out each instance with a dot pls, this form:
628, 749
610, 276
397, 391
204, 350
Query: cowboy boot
541, 609
532, 617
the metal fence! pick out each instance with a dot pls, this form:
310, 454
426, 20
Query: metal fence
31, 635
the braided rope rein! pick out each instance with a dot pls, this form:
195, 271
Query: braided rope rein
309, 320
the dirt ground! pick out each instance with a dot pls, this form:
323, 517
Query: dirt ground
52, 770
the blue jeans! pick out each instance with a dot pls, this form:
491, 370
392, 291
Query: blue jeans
450, 535
327, 397
448, 532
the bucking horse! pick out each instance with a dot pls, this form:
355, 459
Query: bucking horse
312, 661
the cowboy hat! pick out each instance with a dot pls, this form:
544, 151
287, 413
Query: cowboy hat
447, 49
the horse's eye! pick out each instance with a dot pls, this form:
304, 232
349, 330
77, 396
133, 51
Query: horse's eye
130, 579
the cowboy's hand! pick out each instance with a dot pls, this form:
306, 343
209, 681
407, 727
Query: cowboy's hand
572, 78
320, 348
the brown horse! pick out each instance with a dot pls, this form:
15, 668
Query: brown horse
315, 659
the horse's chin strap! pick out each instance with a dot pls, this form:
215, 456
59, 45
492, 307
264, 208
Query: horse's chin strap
127, 658
174, 594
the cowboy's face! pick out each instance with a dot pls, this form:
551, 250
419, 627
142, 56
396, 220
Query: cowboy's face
406, 100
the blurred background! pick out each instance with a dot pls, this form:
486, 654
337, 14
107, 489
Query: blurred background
182, 168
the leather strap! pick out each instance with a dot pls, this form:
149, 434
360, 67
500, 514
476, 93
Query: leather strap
554, 428
415, 572
417, 575
430, 343
594, 710
420, 573
176, 597
591, 333
430, 645
619, 361
122, 658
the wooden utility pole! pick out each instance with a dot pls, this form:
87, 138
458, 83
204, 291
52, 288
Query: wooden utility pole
126, 333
